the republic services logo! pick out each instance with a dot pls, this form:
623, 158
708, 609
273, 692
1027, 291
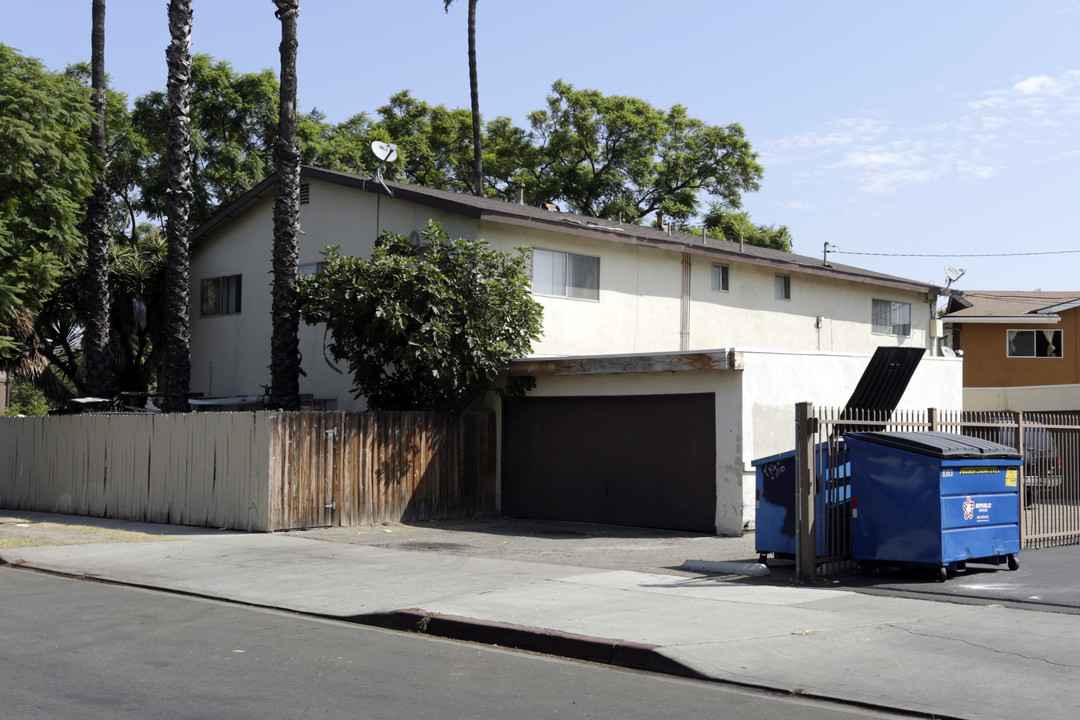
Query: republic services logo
969, 508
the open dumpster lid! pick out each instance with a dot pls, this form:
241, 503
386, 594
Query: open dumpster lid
946, 446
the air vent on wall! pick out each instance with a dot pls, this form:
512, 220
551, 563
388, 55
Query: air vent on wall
305, 193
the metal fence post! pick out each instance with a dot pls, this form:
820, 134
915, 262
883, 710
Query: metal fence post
805, 525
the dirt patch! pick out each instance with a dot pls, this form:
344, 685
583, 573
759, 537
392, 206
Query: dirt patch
561, 543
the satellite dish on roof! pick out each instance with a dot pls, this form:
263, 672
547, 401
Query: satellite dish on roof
953, 274
386, 152
947, 351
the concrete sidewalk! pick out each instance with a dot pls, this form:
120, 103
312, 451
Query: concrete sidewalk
945, 659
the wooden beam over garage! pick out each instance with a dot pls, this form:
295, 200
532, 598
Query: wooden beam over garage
617, 364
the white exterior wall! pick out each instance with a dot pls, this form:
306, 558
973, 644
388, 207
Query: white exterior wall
775, 382
721, 319
230, 354
640, 294
638, 310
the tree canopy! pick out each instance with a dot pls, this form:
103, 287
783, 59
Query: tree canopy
614, 156
426, 327
595, 154
46, 178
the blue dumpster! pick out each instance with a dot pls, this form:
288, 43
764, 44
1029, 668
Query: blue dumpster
776, 489
934, 499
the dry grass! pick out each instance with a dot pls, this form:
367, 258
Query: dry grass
21, 532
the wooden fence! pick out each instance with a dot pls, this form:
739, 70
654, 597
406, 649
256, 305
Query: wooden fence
250, 471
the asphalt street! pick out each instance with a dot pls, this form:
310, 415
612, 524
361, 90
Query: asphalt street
72, 648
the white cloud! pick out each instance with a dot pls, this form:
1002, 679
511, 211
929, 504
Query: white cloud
1026, 122
887, 182
838, 133
878, 158
1039, 85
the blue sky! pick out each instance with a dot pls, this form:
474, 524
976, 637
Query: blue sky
902, 128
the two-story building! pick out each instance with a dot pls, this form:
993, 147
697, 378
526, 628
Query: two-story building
668, 361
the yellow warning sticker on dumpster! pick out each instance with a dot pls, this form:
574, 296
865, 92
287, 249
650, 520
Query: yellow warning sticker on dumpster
1011, 476
980, 471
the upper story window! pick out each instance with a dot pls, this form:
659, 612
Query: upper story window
783, 287
565, 274
1034, 343
220, 296
891, 318
720, 277
310, 268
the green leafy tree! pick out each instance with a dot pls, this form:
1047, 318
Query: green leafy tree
723, 224
426, 327
25, 399
345, 146
434, 143
612, 156
45, 177
233, 120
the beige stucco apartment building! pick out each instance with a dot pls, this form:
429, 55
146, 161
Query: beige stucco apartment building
679, 359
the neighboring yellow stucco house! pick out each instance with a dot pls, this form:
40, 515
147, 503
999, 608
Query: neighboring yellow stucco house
705, 345
1020, 349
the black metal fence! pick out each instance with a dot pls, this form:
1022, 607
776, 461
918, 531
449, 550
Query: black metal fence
1049, 493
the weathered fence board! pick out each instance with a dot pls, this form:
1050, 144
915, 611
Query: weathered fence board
251, 471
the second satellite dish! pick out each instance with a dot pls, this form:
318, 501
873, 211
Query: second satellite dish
386, 152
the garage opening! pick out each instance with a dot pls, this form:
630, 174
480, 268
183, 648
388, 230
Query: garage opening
636, 460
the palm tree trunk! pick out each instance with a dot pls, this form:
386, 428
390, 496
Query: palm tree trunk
478, 167
176, 373
284, 341
96, 336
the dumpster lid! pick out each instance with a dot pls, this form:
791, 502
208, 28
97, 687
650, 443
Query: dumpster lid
947, 446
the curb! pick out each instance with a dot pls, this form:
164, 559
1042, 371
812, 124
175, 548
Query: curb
620, 653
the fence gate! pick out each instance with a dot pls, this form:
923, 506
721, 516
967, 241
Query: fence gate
1049, 493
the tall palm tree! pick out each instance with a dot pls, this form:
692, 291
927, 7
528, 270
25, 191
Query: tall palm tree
176, 370
95, 340
284, 341
474, 92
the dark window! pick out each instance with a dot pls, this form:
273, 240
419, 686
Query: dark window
566, 275
720, 275
783, 287
1034, 343
891, 318
220, 296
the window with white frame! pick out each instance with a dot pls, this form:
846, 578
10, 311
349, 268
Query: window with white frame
220, 296
565, 274
720, 276
783, 287
891, 318
1034, 343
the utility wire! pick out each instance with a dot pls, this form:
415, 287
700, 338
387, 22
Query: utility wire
833, 251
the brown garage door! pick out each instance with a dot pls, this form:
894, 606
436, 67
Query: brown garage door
641, 460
